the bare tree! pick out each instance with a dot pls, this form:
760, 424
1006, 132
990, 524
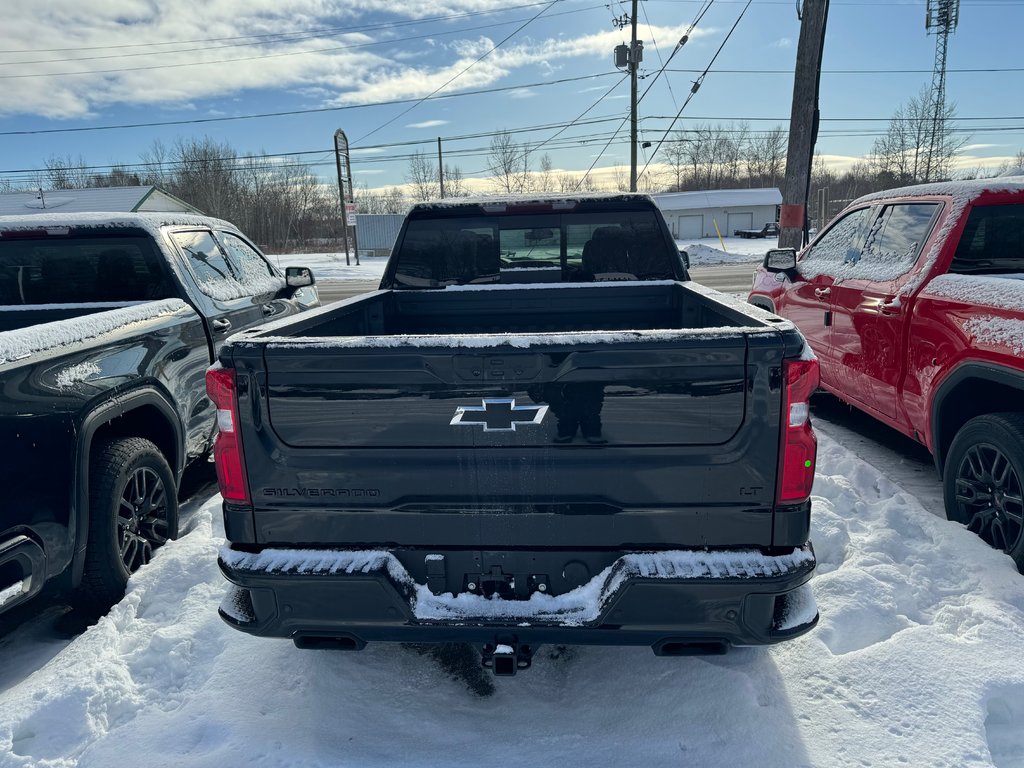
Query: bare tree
421, 175
1015, 165
66, 172
906, 154
765, 158
509, 165
570, 182
117, 176
454, 182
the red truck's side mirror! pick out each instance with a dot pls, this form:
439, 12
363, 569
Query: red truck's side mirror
780, 260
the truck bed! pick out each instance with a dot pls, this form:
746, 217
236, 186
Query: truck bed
425, 407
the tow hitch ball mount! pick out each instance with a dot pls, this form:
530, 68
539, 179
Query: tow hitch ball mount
505, 656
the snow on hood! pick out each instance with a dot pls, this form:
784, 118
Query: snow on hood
24, 342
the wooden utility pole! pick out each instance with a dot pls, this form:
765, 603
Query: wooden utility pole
803, 125
440, 169
634, 65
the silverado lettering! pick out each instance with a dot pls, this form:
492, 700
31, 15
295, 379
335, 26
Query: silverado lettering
351, 492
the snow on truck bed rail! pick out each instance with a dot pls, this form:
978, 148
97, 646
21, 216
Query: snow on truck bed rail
766, 323
23, 342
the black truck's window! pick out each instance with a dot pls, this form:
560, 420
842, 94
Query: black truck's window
207, 260
234, 274
992, 242
558, 247
81, 270
247, 262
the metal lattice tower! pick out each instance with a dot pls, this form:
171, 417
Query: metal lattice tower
941, 17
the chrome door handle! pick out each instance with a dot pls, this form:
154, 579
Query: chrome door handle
889, 308
221, 325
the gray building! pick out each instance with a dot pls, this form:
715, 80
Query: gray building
695, 214
106, 199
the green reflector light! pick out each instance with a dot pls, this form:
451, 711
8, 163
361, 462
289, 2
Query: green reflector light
807, 464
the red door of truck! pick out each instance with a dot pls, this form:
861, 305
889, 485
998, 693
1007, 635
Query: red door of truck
868, 315
809, 298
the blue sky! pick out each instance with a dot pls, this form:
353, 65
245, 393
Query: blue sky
160, 62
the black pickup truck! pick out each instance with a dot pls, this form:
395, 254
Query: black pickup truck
521, 440
107, 325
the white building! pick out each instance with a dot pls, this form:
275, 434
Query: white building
696, 214
106, 199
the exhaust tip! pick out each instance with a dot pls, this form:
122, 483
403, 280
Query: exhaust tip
678, 647
342, 642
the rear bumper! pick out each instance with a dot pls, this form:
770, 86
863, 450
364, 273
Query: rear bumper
672, 601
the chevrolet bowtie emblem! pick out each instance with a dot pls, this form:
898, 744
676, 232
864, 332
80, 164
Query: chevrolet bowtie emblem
499, 415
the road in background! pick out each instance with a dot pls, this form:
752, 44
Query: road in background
729, 278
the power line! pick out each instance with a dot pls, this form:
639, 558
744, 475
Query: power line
696, 85
455, 77
292, 112
975, 70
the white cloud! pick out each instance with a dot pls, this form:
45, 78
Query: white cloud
522, 93
783, 42
428, 124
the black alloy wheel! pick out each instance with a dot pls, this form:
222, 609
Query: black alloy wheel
133, 509
988, 492
141, 518
983, 481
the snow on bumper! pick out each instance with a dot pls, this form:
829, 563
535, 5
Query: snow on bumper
740, 597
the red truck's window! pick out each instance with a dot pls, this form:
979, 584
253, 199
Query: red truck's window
894, 241
838, 248
992, 242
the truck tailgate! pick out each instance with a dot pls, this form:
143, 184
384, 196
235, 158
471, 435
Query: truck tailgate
657, 443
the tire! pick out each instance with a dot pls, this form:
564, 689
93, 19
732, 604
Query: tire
133, 508
983, 481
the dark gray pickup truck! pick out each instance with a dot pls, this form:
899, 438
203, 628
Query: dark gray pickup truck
108, 322
537, 431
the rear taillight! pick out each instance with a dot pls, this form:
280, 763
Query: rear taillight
227, 448
799, 446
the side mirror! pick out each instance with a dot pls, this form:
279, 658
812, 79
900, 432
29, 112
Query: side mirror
299, 277
780, 260
685, 257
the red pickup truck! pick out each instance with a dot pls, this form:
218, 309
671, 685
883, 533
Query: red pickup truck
913, 301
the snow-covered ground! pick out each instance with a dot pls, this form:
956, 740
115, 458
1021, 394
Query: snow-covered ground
738, 250
331, 266
916, 661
